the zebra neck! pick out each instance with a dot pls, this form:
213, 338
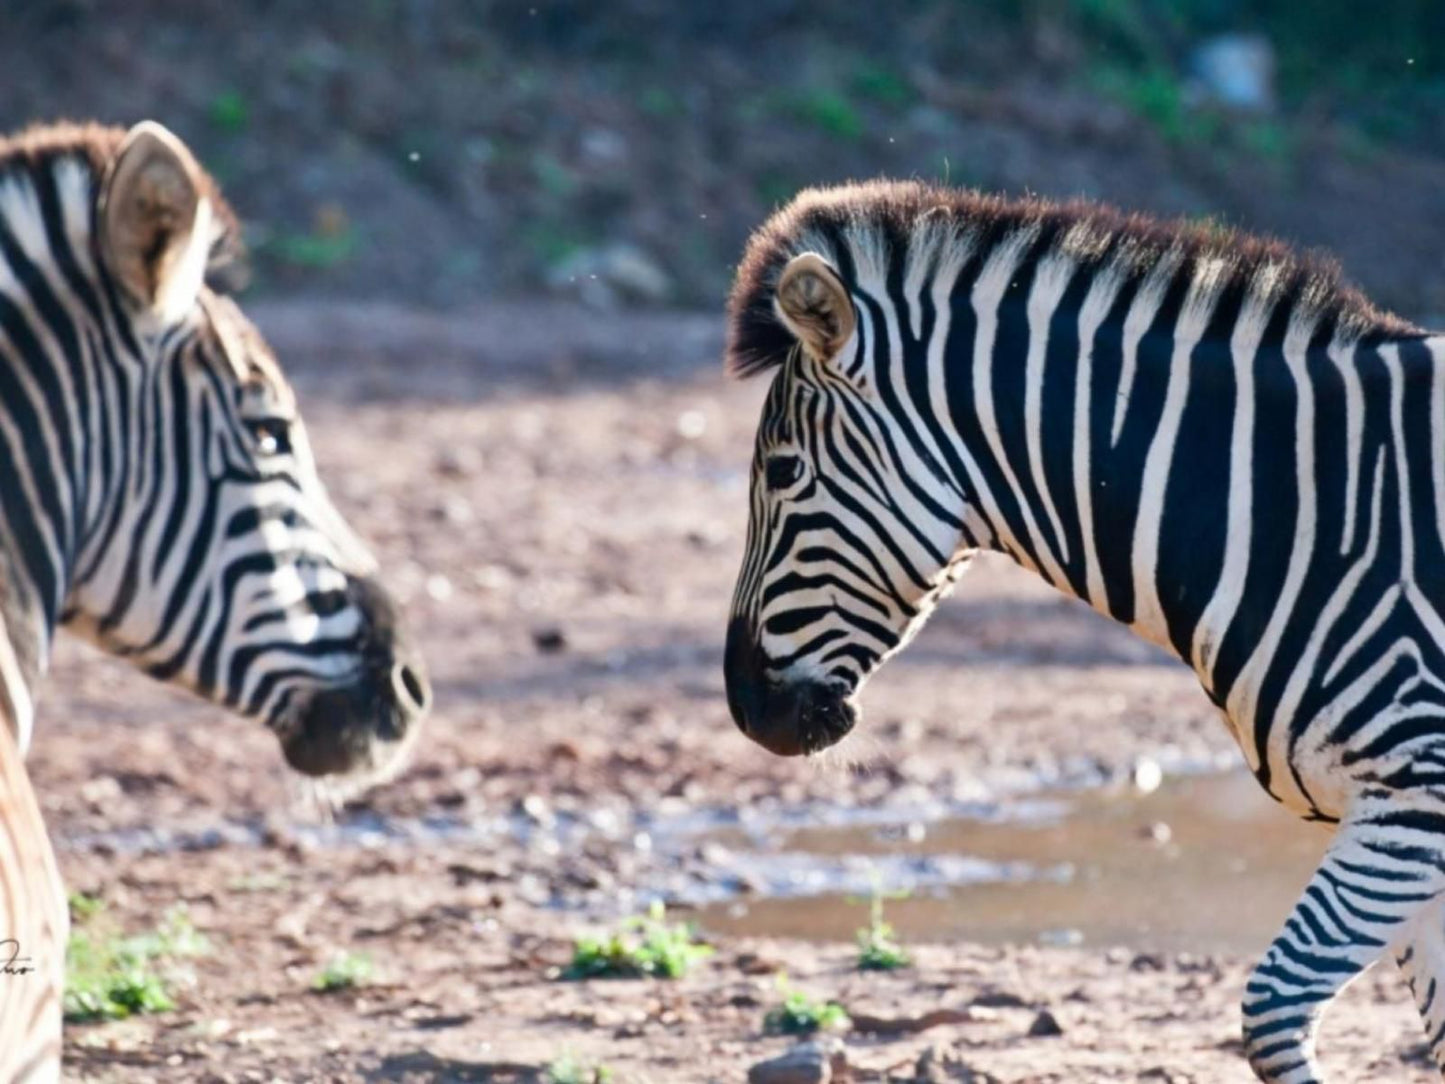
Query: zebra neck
24, 651
65, 348
1150, 453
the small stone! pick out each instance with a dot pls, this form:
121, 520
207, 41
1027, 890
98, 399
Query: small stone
604, 277
454, 509
460, 462
1064, 938
535, 808
1045, 1026
691, 424
491, 577
550, 640
1157, 832
999, 999
1147, 775
807, 1063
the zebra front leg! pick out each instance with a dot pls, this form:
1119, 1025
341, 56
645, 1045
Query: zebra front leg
1383, 869
1420, 952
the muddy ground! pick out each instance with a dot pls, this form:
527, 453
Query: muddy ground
560, 502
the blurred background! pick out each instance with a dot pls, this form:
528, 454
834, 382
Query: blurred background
440, 151
491, 243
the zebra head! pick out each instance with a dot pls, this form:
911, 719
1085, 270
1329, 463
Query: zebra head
213, 558
853, 533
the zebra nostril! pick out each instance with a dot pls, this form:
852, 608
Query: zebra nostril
410, 687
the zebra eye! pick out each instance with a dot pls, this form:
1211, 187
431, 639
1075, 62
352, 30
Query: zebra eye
272, 436
782, 471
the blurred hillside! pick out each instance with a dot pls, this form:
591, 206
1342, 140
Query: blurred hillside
436, 152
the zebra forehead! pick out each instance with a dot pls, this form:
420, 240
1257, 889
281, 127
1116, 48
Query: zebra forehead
878, 228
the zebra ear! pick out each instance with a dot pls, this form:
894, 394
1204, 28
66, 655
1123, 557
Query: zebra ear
155, 222
813, 302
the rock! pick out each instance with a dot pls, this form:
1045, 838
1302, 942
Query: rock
453, 509
609, 276
999, 999
458, 462
936, 1065
1068, 937
549, 640
1159, 832
1147, 775
535, 808
1045, 1026
1237, 71
604, 147
816, 1062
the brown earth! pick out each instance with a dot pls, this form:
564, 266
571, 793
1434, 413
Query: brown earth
535, 477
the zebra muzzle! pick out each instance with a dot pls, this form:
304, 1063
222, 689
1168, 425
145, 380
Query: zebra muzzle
787, 718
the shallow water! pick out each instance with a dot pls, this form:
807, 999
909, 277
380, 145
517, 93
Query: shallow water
1205, 863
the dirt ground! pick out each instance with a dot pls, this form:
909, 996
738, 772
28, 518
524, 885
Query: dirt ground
560, 502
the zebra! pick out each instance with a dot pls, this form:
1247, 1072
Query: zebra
1204, 435
159, 498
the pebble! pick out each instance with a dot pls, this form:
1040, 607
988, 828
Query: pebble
549, 640
462, 462
1045, 1026
1064, 938
691, 424
816, 1062
1147, 775
1158, 832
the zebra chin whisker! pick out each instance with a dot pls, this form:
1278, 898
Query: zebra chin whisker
862, 754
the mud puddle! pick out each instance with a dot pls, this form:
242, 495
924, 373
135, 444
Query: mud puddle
1205, 863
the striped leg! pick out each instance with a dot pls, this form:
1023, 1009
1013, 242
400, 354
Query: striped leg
1421, 956
1384, 869
34, 922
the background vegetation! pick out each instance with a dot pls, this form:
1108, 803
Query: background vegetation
444, 151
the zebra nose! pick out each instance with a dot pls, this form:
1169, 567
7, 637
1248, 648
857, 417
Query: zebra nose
743, 675
411, 688
788, 719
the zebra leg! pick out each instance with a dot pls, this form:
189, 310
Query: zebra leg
1421, 956
1384, 869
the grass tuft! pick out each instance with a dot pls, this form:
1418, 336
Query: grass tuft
346, 971
878, 946
109, 977
568, 1069
645, 946
801, 1015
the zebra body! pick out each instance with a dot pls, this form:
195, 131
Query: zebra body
158, 497
1204, 436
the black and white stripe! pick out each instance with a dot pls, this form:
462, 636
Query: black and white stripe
1202, 435
158, 497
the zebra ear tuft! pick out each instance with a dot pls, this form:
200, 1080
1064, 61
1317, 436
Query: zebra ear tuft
155, 221
813, 302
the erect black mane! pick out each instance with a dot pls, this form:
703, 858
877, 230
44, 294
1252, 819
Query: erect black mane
892, 214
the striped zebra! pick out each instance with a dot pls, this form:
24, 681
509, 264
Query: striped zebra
1203, 435
158, 497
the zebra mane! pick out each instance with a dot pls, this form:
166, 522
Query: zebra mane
39, 149
896, 227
